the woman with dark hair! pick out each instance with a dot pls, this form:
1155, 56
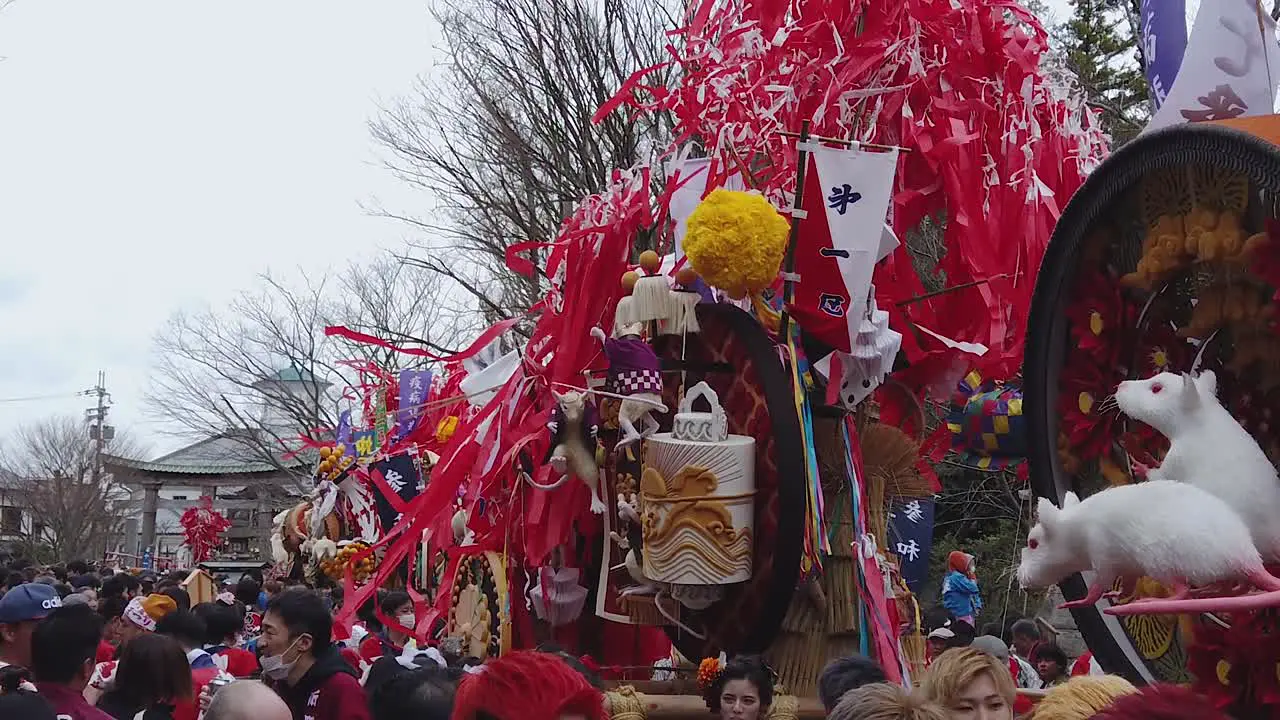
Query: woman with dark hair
247, 592
397, 607
743, 690
223, 626
151, 678
1051, 664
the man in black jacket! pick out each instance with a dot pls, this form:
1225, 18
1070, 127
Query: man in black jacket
303, 664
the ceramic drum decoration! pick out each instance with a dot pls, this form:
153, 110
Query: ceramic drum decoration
697, 502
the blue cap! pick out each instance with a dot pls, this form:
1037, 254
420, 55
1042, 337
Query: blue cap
29, 601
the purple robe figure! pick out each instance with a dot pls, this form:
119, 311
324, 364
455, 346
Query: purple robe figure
635, 373
633, 366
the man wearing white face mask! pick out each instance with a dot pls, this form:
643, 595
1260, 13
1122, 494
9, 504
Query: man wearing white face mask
302, 664
397, 606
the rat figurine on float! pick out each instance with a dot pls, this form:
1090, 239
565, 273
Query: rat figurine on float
1209, 449
1173, 532
635, 373
574, 426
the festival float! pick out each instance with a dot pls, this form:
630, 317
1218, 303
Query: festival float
699, 443
1162, 274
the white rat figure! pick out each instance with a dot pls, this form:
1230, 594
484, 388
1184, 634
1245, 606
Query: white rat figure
1209, 449
1175, 533
631, 542
574, 426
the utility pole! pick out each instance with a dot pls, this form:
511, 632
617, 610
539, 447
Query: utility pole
99, 431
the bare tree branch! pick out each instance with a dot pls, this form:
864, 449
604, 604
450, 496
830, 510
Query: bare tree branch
210, 365
50, 474
502, 137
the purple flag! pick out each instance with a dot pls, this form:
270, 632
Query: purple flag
1164, 40
414, 386
343, 436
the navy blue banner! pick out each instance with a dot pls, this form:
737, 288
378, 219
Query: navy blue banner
911, 539
396, 476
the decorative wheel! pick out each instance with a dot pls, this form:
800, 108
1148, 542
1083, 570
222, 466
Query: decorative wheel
1162, 261
479, 613
736, 357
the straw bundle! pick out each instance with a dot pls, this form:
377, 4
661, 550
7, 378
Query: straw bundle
821, 622
643, 609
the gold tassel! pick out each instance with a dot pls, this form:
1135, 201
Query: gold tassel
784, 707
625, 704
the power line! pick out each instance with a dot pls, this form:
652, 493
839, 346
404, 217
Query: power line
33, 398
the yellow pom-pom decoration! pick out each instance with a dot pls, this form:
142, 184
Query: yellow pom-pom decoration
736, 241
446, 428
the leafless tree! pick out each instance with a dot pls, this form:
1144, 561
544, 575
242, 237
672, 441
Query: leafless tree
50, 474
210, 365
502, 137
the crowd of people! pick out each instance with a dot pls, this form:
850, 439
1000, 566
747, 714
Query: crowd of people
82, 643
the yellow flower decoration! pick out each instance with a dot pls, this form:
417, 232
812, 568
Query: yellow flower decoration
1159, 358
1096, 323
736, 241
1085, 402
708, 670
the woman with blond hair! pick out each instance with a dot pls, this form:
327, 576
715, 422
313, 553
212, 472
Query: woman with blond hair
969, 685
883, 701
1080, 697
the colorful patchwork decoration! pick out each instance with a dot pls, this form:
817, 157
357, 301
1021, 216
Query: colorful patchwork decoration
987, 428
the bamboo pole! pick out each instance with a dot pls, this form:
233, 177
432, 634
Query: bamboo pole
789, 265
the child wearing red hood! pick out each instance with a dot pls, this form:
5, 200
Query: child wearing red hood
960, 588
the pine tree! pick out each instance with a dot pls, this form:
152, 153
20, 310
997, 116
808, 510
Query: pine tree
1102, 46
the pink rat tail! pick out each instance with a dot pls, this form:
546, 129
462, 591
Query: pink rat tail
1264, 580
1260, 578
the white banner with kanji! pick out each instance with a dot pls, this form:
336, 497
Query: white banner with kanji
855, 188
1230, 69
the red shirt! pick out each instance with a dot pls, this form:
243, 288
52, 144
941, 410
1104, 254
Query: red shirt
374, 647
340, 698
190, 709
1021, 703
1083, 664
353, 658
240, 663
106, 652
70, 704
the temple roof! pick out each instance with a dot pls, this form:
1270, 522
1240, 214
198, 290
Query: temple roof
224, 454
293, 375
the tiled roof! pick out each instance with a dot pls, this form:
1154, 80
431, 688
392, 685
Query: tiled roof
228, 467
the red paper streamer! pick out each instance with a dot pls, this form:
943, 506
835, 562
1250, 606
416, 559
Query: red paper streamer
202, 529
996, 148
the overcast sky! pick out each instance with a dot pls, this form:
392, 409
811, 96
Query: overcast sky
157, 155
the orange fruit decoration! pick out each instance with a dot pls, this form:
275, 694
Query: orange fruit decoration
629, 280
650, 261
